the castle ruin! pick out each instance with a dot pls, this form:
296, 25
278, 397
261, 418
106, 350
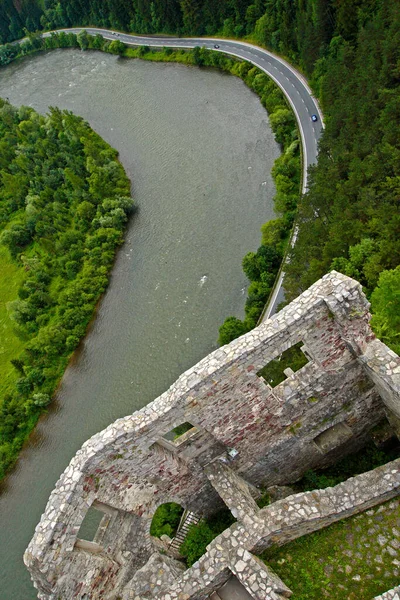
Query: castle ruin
246, 436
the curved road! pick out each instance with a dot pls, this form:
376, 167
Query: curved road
291, 82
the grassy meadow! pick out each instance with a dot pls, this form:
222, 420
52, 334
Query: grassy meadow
11, 341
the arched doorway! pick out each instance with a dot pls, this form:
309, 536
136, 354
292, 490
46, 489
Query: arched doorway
166, 520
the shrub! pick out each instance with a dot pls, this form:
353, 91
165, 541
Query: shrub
166, 519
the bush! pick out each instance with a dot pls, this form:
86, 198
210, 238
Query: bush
199, 536
385, 301
196, 542
231, 329
41, 399
166, 520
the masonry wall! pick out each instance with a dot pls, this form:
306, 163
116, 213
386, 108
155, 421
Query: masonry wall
257, 529
390, 595
318, 414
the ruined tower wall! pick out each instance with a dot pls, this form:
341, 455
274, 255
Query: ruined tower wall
283, 521
319, 413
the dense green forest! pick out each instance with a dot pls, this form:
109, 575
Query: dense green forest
300, 29
350, 218
64, 203
237, 17
349, 49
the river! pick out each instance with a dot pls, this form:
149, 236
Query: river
198, 149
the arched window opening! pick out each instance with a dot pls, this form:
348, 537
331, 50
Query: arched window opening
166, 520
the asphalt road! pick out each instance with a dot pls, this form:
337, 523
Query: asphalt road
291, 82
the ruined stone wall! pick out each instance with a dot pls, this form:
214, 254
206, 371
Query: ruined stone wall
390, 595
257, 529
321, 412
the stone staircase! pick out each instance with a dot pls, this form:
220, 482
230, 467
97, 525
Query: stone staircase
188, 518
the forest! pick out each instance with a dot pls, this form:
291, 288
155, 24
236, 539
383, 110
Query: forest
64, 203
349, 49
350, 219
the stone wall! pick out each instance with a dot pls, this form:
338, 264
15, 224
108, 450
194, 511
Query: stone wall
390, 595
279, 523
266, 435
382, 367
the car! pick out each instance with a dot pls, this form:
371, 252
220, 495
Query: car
216, 46
314, 118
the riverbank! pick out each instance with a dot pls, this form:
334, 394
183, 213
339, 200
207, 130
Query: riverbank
60, 372
60, 228
261, 267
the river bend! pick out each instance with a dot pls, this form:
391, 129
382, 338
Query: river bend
199, 150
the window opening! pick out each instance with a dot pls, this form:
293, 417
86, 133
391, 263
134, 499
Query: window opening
178, 431
90, 524
278, 369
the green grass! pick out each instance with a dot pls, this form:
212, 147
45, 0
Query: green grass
366, 459
354, 559
181, 56
11, 341
181, 429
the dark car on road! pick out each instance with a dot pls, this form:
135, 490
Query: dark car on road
314, 118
